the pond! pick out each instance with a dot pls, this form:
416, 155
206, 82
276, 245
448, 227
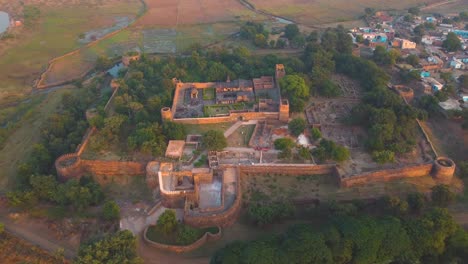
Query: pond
114, 71
4, 21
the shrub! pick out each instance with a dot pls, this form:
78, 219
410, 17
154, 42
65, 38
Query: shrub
441, 195
316, 134
297, 126
167, 221
111, 211
284, 143
214, 140
383, 157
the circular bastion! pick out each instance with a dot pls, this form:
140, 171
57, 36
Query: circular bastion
443, 169
166, 113
68, 166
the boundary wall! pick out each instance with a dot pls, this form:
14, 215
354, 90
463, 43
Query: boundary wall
208, 236
229, 118
387, 175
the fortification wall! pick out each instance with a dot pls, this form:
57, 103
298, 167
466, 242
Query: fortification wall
387, 175
183, 249
103, 171
222, 219
231, 118
292, 169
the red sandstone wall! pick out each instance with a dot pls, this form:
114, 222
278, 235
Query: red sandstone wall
388, 175
113, 171
231, 118
222, 219
293, 169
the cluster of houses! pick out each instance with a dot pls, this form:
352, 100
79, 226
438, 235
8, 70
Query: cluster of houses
396, 33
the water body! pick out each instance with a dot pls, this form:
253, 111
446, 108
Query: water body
114, 71
4, 21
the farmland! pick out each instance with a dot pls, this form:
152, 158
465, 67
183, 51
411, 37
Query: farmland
313, 13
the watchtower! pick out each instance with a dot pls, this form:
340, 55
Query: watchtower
166, 114
284, 110
280, 72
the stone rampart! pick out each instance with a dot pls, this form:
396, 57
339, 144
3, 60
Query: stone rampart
387, 175
223, 219
71, 166
292, 169
183, 249
230, 118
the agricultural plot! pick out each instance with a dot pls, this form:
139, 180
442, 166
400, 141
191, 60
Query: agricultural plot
159, 40
57, 32
328, 11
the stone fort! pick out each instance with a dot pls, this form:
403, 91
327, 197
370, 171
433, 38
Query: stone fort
217, 102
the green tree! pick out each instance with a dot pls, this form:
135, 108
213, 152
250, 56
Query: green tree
44, 186
103, 63
295, 89
111, 211
297, 126
174, 131
384, 156
214, 140
441, 195
115, 248
316, 134
412, 60
260, 41
416, 201
452, 42
414, 11
291, 31
284, 143
167, 221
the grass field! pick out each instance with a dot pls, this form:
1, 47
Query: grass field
25, 57
18, 146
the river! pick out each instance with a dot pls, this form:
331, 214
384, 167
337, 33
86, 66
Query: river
4, 21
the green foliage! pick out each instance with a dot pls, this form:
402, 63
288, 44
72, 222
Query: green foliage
167, 221
463, 167
255, 32
416, 201
383, 57
149, 139
297, 126
103, 63
393, 205
329, 150
284, 143
111, 211
187, 235
414, 11
441, 195
174, 131
452, 42
412, 60
304, 153
329, 89
115, 248
384, 156
294, 88
291, 31
2, 228
214, 140
285, 154
31, 14
265, 213
316, 134
429, 103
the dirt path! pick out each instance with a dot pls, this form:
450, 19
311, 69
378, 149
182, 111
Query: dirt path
438, 4
36, 234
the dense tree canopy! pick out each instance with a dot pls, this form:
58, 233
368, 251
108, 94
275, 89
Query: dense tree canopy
452, 43
214, 140
294, 88
116, 248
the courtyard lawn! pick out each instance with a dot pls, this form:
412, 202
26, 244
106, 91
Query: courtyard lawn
178, 236
209, 94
